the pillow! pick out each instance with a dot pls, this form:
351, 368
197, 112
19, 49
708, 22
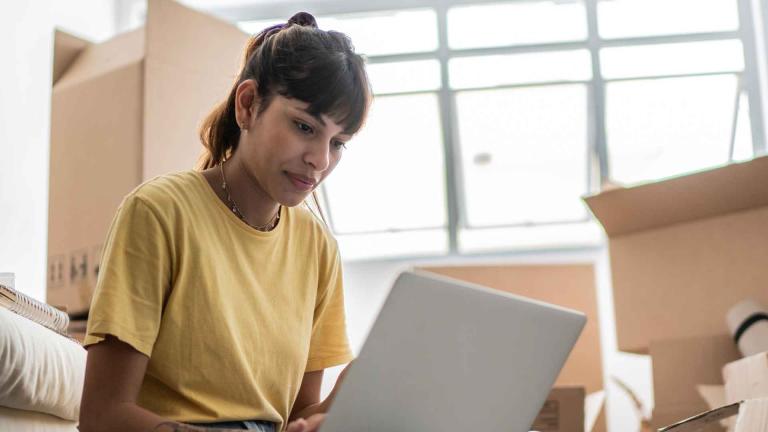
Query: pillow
28, 421
42, 370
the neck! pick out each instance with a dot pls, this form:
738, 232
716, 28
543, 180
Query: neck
256, 206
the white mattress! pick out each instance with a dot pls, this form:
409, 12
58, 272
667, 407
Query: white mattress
28, 421
41, 370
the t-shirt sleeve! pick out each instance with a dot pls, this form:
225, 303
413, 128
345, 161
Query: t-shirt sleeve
329, 345
134, 278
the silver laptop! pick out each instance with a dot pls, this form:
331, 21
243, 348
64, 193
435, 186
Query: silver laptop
445, 355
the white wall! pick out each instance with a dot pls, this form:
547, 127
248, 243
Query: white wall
368, 283
26, 41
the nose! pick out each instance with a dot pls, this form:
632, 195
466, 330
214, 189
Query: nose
318, 156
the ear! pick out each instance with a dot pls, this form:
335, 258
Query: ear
246, 103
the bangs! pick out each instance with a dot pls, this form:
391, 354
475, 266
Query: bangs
334, 84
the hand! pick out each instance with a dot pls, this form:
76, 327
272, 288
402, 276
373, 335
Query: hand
310, 424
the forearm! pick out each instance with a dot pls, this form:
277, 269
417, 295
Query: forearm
307, 411
129, 417
320, 407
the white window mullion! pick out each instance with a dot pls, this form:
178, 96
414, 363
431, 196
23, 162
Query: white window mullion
747, 17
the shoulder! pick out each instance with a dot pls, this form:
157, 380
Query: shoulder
309, 223
167, 191
168, 186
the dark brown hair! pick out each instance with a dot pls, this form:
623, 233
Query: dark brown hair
296, 60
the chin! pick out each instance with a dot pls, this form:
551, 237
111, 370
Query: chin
293, 201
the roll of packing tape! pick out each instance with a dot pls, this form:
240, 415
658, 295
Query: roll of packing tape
748, 322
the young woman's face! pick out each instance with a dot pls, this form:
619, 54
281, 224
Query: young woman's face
289, 152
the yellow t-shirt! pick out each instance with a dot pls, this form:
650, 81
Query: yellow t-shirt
230, 317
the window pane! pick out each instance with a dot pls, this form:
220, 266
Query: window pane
392, 175
489, 71
372, 33
524, 154
635, 18
519, 23
672, 59
665, 127
580, 234
393, 244
255, 26
382, 33
422, 75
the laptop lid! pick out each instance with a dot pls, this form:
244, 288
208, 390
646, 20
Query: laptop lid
446, 355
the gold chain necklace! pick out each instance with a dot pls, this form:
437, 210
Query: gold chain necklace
269, 226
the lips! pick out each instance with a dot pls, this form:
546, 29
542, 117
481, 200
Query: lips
301, 182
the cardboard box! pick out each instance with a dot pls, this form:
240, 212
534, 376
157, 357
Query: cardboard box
751, 416
563, 411
570, 286
77, 329
124, 111
680, 366
746, 378
684, 250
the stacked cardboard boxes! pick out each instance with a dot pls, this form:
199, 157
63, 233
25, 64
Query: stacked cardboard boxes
122, 112
683, 251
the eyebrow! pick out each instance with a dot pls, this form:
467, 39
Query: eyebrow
314, 116
322, 122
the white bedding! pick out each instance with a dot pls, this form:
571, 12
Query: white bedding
28, 421
42, 371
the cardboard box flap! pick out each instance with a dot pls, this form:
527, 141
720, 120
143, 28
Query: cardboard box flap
192, 60
66, 48
99, 59
701, 195
180, 36
746, 378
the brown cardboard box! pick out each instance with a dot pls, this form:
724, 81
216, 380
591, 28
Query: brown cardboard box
562, 412
684, 250
751, 416
746, 378
680, 366
122, 112
570, 286
77, 329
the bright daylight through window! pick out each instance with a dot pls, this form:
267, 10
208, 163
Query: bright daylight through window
485, 138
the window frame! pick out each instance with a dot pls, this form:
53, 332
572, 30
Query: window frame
753, 78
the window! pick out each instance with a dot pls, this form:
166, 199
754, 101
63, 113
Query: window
396, 159
491, 121
516, 23
639, 18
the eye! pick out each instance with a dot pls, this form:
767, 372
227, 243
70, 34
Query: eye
340, 145
303, 127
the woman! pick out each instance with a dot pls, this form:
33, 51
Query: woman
219, 301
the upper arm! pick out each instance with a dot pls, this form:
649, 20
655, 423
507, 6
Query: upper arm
309, 392
135, 277
113, 375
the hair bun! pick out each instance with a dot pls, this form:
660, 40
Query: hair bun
304, 19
